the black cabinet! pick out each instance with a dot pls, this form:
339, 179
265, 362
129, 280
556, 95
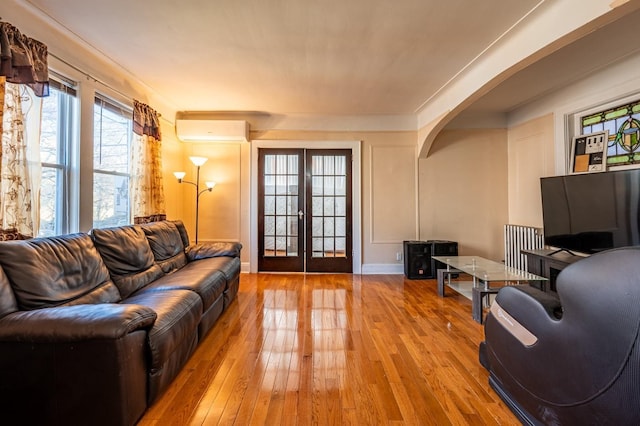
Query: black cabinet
418, 262
549, 263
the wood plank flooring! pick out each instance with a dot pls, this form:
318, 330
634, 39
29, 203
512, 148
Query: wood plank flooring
342, 349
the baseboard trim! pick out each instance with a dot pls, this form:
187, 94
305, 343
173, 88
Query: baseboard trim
382, 268
367, 269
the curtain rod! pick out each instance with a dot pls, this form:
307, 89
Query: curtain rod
90, 77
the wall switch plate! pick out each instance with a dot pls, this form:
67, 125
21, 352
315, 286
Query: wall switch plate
399, 256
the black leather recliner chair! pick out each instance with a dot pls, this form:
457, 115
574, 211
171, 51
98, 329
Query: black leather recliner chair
574, 359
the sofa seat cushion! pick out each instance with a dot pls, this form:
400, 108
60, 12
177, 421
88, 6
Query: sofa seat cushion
229, 266
128, 256
178, 314
166, 244
207, 284
54, 271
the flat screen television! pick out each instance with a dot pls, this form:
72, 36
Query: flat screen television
592, 212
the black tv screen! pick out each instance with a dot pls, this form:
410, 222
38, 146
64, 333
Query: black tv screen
589, 213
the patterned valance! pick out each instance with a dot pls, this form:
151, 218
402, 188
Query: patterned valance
146, 121
139, 220
12, 234
23, 60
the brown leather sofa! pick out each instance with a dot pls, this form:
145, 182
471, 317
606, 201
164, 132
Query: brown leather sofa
94, 327
573, 359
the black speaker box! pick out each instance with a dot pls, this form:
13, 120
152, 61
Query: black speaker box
441, 248
418, 262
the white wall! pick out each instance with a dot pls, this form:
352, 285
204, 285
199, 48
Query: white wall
531, 156
463, 191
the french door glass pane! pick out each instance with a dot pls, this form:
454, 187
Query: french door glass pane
316, 206
270, 225
341, 206
292, 246
269, 205
341, 185
316, 185
341, 166
341, 225
329, 227
281, 205
292, 205
328, 204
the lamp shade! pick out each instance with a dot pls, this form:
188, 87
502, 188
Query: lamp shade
210, 184
198, 161
179, 175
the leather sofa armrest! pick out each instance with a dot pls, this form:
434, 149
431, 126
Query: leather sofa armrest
213, 249
75, 323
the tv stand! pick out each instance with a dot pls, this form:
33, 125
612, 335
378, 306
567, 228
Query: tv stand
560, 251
549, 263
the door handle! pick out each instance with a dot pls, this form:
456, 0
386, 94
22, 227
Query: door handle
300, 214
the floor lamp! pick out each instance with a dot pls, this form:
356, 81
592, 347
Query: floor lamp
198, 162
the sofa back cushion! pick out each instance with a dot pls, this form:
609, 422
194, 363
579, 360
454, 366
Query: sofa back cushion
183, 232
166, 244
8, 302
54, 271
128, 256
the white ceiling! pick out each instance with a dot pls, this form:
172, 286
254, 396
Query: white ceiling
354, 57
589, 54
323, 57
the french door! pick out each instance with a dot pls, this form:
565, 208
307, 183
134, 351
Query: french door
304, 210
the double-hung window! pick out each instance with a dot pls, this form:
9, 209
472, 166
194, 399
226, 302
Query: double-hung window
112, 130
56, 140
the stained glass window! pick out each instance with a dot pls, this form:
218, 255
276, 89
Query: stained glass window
623, 124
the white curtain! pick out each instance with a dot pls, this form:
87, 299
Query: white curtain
24, 80
20, 168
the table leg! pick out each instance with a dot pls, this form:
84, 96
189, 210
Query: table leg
476, 304
441, 273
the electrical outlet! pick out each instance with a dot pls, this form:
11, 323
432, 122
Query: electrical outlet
399, 256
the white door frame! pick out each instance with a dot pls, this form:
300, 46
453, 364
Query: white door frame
355, 147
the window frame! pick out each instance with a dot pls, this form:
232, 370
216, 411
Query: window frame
67, 109
126, 112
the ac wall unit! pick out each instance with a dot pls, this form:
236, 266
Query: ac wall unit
193, 130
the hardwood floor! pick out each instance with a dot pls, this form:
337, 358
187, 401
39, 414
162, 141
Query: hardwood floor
336, 350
